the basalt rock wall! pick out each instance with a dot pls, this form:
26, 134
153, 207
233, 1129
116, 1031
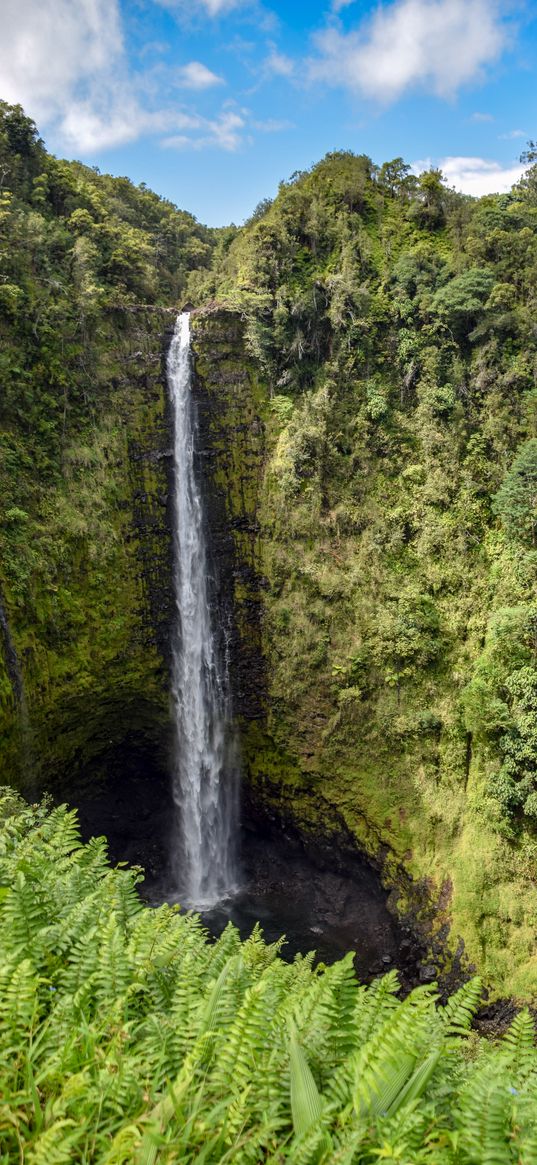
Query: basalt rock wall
333, 744
231, 405
90, 640
238, 435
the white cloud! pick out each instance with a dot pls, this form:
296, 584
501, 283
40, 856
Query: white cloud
154, 47
272, 125
84, 129
115, 118
225, 132
212, 7
193, 12
215, 7
49, 47
195, 75
227, 129
65, 62
439, 44
279, 64
513, 134
478, 176
480, 117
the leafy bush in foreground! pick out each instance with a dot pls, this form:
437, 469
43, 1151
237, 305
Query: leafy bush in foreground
127, 1036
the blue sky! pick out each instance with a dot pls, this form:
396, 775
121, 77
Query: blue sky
213, 102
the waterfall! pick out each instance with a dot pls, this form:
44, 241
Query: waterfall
205, 770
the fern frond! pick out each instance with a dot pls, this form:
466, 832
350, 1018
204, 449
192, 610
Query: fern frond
306, 1103
485, 1117
519, 1042
459, 1011
55, 1145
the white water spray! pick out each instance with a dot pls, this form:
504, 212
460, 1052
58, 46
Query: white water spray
204, 779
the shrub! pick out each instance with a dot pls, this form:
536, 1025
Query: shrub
462, 300
516, 500
126, 1036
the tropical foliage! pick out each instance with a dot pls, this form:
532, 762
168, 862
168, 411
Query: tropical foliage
390, 337
78, 251
126, 1036
393, 322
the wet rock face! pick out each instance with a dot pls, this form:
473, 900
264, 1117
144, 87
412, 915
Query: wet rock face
10, 655
125, 794
318, 890
230, 463
100, 682
150, 470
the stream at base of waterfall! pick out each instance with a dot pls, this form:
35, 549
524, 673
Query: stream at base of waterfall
205, 770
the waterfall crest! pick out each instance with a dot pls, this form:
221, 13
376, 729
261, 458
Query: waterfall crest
205, 789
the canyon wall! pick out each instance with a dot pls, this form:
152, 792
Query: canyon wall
334, 742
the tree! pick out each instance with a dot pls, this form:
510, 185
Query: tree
516, 500
528, 184
259, 211
396, 178
529, 156
462, 300
430, 208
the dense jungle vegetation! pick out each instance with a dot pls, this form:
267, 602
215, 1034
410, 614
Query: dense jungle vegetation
390, 324
395, 323
127, 1037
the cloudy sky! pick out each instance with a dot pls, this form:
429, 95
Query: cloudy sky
212, 102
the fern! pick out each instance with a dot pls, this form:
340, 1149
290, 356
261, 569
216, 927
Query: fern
519, 1042
126, 1036
459, 1011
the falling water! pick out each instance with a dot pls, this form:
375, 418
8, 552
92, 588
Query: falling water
204, 779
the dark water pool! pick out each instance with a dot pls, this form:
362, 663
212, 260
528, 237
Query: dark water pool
289, 893
321, 898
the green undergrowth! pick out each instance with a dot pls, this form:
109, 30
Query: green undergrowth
128, 1036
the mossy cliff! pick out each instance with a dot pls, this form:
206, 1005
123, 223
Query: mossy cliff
87, 576
391, 358
326, 746
92, 270
231, 405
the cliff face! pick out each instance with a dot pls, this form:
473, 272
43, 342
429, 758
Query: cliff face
301, 587
387, 764
85, 692
231, 404
89, 266
393, 323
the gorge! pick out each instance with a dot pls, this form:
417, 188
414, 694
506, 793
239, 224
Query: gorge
276, 884
364, 356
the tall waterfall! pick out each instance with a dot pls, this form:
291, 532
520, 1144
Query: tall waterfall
204, 779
